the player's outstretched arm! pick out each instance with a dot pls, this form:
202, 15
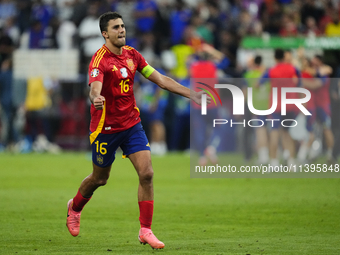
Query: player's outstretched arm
96, 99
171, 85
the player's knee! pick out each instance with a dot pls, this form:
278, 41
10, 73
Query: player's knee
146, 175
101, 182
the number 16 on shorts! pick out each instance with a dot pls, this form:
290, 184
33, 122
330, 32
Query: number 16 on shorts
100, 147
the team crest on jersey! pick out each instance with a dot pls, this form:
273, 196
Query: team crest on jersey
124, 73
94, 72
100, 159
130, 64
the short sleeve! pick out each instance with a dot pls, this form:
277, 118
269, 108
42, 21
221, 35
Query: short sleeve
96, 69
141, 62
142, 66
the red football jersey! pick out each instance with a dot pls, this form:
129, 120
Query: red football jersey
283, 75
116, 73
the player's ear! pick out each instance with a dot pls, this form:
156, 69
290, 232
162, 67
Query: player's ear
105, 35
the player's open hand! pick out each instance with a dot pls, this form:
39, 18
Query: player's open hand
98, 102
196, 97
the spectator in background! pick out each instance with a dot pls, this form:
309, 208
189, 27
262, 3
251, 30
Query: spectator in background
36, 35
7, 9
246, 26
24, 15
333, 28
38, 116
327, 17
234, 11
201, 28
288, 28
147, 47
41, 33
12, 30
309, 9
6, 50
91, 37
145, 15
271, 15
64, 9
79, 11
112, 4
229, 46
253, 6
179, 20
311, 29
162, 26
42, 13
65, 35
215, 22
182, 53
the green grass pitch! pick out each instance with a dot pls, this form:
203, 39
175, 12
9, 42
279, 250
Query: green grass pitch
192, 216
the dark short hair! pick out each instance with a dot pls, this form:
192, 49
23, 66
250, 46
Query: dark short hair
319, 57
106, 17
279, 54
258, 60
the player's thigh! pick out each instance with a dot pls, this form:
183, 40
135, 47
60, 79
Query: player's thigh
141, 160
136, 147
101, 173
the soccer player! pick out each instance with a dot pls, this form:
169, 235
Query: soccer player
323, 103
308, 73
319, 105
260, 101
283, 74
115, 122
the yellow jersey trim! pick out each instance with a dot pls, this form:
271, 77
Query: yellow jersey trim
106, 48
147, 71
99, 57
100, 126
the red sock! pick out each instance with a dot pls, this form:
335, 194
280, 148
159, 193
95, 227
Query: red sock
79, 202
145, 213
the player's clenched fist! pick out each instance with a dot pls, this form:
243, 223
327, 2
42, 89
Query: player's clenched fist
98, 102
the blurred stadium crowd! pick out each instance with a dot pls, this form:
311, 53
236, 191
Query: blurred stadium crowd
170, 34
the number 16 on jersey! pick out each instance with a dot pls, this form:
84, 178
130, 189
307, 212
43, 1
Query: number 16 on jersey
124, 86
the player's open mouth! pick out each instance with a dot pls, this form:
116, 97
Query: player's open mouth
121, 36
